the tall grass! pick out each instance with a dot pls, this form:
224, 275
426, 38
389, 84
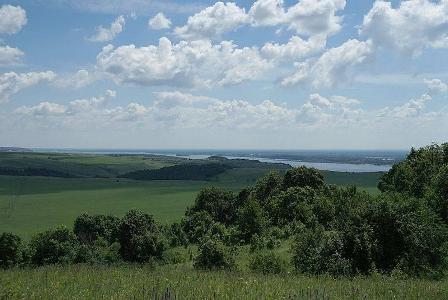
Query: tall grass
183, 282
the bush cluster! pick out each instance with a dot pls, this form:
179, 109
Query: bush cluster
336, 230
94, 239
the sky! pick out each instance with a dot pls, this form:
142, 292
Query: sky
265, 74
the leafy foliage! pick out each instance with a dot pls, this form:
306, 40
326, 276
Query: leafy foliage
140, 238
54, 246
303, 177
218, 203
89, 228
10, 250
415, 175
252, 220
318, 251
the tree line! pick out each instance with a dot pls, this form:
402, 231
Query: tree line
340, 231
190, 171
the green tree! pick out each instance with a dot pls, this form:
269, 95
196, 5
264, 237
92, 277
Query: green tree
294, 204
89, 228
218, 203
303, 177
416, 173
251, 220
140, 237
266, 187
438, 195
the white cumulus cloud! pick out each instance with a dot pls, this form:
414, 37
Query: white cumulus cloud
11, 82
107, 34
295, 49
267, 12
311, 17
159, 22
12, 19
436, 85
183, 64
334, 66
306, 17
411, 27
42, 109
411, 108
213, 22
77, 80
10, 56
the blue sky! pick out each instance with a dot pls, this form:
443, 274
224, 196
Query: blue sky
265, 74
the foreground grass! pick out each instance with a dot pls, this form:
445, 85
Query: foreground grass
183, 282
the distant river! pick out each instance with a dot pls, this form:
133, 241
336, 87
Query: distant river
336, 167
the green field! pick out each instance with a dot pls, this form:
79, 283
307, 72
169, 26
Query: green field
184, 282
33, 204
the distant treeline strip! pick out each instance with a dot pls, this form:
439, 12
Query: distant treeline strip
35, 172
180, 172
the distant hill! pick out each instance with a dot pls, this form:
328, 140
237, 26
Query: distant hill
142, 167
14, 149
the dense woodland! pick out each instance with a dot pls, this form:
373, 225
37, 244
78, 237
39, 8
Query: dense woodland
35, 172
204, 171
340, 231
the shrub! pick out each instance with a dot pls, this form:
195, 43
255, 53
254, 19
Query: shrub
89, 228
140, 238
100, 252
10, 250
320, 252
409, 234
213, 254
268, 263
53, 246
